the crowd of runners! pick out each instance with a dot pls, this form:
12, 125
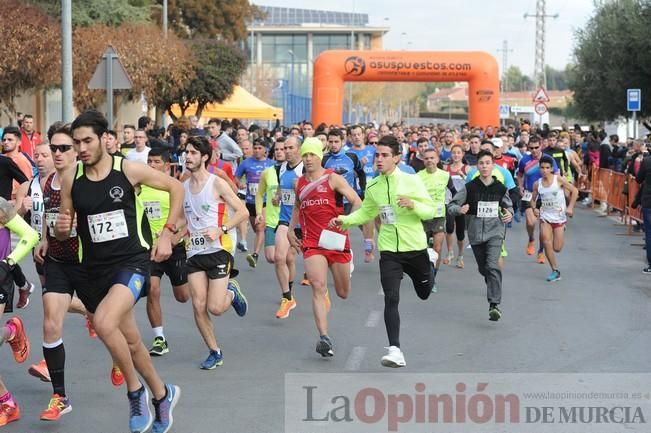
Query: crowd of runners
107, 215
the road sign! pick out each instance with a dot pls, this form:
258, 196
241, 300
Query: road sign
540, 108
120, 77
521, 109
505, 111
541, 96
110, 74
634, 99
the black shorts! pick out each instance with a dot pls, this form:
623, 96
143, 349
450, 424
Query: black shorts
348, 207
435, 225
7, 294
251, 208
64, 277
40, 269
133, 273
174, 267
216, 265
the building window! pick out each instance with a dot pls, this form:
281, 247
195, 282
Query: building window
330, 42
279, 49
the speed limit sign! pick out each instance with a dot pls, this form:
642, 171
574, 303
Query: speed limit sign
540, 108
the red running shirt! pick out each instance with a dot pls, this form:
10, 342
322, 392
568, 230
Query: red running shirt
319, 203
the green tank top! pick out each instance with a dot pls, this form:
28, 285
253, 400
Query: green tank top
271, 212
156, 205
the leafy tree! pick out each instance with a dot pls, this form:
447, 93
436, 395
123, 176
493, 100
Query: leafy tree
613, 53
516, 81
218, 67
556, 79
30, 51
154, 64
109, 12
225, 19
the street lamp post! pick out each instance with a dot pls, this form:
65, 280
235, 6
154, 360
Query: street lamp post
291, 85
66, 61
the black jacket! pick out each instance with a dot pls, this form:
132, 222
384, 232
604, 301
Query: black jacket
644, 179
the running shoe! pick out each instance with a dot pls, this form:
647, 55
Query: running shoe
140, 417
394, 358
9, 414
242, 247
20, 343
531, 248
460, 263
252, 259
163, 419
117, 378
91, 329
239, 303
434, 288
494, 313
517, 217
433, 256
448, 260
215, 359
554, 276
58, 406
328, 302
647, 270
324, 346
286, 305
159, 347
305, 281
541, 258
23, 295
40, 370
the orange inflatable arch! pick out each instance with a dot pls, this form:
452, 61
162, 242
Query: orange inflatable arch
333, 68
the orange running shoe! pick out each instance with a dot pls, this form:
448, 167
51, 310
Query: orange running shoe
305, 281
20, 343
286, 306
91, 330
117, 378
328, 303
40, 370
541, 258
531, 248
58, 406
9, 414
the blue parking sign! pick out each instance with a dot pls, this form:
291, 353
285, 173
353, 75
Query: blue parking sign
633, 99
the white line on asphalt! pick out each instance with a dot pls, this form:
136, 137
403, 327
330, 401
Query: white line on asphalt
373, 319
354, 361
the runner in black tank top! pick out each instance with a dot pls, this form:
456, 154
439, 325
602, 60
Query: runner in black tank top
114, 246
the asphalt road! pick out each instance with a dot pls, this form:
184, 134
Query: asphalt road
595, 320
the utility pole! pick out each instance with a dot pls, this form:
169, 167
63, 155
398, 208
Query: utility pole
66, 61
540, 79
505, 63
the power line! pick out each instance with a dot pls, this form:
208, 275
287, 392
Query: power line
540, 79
505, 63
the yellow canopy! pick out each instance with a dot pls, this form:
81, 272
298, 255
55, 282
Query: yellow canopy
240, 105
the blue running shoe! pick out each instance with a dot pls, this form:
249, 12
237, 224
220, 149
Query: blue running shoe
554, 276
163, 409
140, 417
215, 358
240, 304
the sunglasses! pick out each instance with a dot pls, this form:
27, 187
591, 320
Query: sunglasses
63, 148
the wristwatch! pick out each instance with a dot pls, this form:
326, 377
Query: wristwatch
172, 228
224, 228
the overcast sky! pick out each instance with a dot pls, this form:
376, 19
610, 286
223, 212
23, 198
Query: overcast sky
467, 25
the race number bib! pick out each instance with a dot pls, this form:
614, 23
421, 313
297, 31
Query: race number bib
526, 196
330, 240
487, 209
51, 220
108, 226
253, 188
550, 205
152, 209
197, 242
387, 216
287, 197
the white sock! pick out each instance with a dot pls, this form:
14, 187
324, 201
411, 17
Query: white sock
158, 332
